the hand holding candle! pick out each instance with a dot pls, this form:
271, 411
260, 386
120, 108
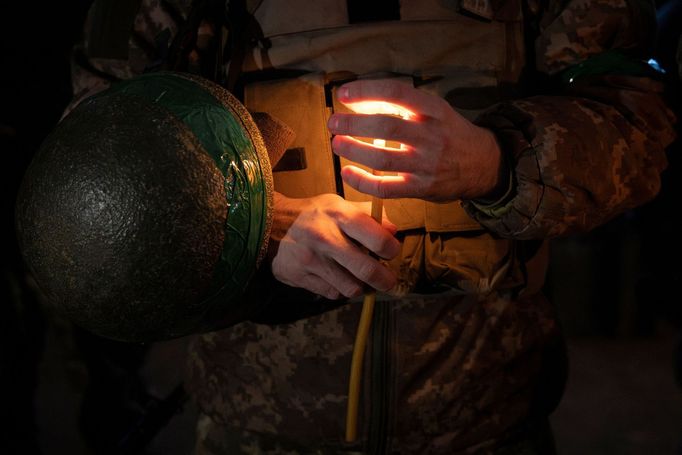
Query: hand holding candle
443, 156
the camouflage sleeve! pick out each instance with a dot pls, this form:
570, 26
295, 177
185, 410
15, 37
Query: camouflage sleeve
593, 149
115, 48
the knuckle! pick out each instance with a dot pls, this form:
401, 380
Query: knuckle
342, 123
428, 182
435, 133
350, 123
440, 148
387, 161
352, 290
337, 213
368, 272
306, 258
390, 127
319, 238
328, 200
341, 210
386, 247
357, 217
332, 294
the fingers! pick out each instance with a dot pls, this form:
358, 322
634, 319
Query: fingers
380, 127
315, 273
368, 233
419, 102
341, 280
366, 269
384, 187
342, 272
342, 251
380, 158
347, 274
321, 247
318, 286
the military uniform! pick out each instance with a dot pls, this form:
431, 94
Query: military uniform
468, 357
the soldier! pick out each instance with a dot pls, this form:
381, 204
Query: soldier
532, 119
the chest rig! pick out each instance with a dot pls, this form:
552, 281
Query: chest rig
291, 56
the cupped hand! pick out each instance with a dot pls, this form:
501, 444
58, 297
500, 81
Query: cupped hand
444, 157
320, 244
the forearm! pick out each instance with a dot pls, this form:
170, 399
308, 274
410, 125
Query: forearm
577, 162
594, 146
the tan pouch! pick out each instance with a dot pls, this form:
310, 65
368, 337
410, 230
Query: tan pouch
300, 103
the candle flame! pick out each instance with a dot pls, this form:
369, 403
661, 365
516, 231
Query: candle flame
381, 107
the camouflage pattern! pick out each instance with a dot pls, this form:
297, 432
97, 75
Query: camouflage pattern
615, 126
462, 376
585, 28
153, 30
474, 366
560, 197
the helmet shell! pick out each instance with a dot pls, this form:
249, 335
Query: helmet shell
146, 211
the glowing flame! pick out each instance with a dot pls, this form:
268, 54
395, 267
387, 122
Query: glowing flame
381, 107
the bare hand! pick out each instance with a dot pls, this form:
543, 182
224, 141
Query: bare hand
444, 158
316, 243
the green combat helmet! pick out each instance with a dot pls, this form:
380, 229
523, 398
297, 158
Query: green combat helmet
147, 210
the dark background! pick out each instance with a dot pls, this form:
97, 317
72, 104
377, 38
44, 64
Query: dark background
64, 391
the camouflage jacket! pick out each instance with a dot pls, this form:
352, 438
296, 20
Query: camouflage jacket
467, 365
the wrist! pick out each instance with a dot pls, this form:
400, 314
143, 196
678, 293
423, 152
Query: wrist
504, 188
494, 182
282, 219
285, 212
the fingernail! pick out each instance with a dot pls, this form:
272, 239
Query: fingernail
344, 92
393, 286
333, 122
